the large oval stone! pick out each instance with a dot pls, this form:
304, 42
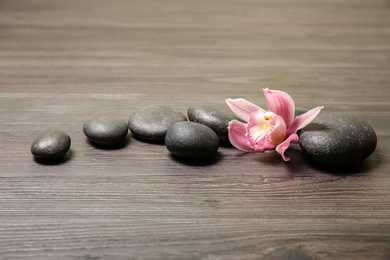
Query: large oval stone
217, 117
191, 140
336, 138
299, 111
105, 130
151, 123
51, 144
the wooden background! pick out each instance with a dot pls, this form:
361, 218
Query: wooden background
63, 62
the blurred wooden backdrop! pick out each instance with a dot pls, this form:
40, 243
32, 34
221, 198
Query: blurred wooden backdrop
63, 62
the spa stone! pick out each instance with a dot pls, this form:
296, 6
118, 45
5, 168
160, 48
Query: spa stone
338, 139
300, 110
192, 140
217, 117
51, 144
105, 130
151, 123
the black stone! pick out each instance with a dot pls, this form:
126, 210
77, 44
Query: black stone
51, 144
335, 138
105, 130
151, 123
192, 140
300, 110
217, 117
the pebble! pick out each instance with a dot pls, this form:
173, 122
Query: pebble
105, 130
192, 140
336, 138
151, 123
51, 144
217, 117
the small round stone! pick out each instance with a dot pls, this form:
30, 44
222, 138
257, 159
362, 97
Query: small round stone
105, 130
217, 117
336, 138
151, 123
51, 144
191, 140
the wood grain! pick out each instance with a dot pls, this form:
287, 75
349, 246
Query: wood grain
63, 62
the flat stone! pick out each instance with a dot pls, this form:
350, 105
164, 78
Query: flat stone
151, 123
51, 144
336, 138
105, 130
192, 140
217, 117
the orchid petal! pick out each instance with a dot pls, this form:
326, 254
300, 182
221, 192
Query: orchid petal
303, 120
267, 146
257, 129
281, 148
242, 108
279, 132
281, 104
237, 136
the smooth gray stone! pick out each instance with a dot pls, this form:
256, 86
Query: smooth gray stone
105, 130
151, 123
192, 140
217, 117
51, 144
336, 138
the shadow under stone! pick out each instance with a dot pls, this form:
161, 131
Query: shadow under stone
197, 161
149, 141
55, 161
299, 162
226, 145
364, 166
117, 146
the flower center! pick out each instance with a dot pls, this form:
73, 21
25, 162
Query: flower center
265, 129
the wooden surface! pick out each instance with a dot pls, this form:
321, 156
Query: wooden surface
63, 62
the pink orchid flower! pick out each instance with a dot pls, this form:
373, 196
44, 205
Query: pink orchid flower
264, 131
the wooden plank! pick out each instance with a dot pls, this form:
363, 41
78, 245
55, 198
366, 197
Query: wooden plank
63, 62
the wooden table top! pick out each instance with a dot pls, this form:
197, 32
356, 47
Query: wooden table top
63, 62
